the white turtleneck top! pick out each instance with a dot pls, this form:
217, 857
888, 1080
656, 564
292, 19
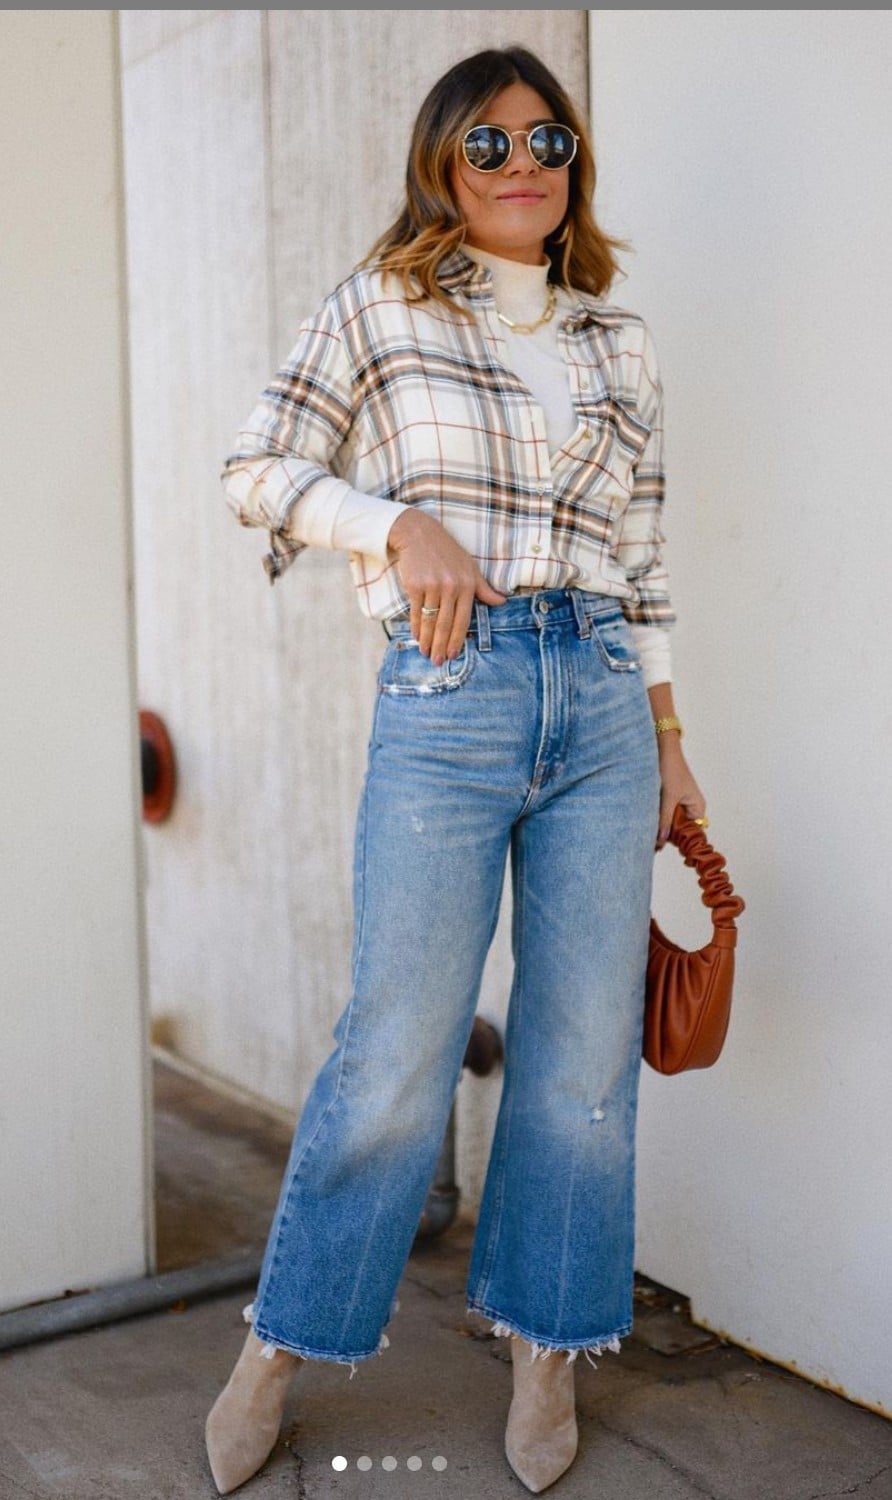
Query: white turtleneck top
340, 517
521, 293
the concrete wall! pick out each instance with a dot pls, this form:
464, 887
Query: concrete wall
747, 153
75, 1162
238, 226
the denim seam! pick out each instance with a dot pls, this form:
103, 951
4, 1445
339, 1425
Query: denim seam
535, 780
631, 1104
519, 895
374, 728
360, 1266
565, 1237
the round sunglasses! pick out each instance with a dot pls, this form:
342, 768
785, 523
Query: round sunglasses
486, 148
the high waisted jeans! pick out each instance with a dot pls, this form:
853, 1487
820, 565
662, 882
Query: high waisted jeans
536, 739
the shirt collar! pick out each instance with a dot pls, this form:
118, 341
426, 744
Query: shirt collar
458, 272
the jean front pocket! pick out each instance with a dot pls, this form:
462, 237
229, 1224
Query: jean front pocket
406, 672
613, 637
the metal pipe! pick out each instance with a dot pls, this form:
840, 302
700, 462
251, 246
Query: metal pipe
126, 1299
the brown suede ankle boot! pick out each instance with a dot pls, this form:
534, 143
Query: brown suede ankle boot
541, 1437
243, 1424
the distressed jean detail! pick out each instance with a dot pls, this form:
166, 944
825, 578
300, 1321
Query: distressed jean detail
542, 1351
269, 1347
532, 753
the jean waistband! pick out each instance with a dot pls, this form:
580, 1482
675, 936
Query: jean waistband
525, 612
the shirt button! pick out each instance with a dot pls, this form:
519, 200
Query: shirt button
542, 489
586, 432
535, 547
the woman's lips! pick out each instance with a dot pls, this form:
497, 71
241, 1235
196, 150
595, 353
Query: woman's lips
521, 197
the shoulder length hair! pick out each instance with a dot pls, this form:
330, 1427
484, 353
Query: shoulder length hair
430, 227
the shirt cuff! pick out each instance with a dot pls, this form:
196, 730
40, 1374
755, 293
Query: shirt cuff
653, 646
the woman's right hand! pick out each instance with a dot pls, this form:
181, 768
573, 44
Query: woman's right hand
435, 569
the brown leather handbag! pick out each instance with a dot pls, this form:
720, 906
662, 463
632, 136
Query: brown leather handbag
688, 995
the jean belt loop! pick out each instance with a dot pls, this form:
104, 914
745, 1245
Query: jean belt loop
582, 621
484, 638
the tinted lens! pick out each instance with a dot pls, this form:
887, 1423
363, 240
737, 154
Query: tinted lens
552, 145
487, 147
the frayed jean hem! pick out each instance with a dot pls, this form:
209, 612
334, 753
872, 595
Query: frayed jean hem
502, 1328
304, 1349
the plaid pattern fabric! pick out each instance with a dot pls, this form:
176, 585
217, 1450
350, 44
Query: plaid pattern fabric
410, 404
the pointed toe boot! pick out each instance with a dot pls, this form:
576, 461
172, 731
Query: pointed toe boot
541, 1437
243, 1424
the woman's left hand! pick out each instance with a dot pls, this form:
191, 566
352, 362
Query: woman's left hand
677, 785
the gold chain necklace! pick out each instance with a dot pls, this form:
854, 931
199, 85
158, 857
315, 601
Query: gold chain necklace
531, 327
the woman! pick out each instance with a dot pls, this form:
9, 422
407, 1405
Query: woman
482, 434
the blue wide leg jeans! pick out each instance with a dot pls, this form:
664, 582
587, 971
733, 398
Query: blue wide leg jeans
536, 743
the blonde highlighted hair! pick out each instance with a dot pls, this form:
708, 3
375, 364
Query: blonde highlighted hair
430, 227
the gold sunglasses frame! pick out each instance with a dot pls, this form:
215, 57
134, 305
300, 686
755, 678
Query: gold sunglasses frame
485, 125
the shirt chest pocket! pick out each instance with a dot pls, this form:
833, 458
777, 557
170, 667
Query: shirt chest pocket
616, 440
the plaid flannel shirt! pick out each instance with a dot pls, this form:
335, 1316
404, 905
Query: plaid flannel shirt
405, 402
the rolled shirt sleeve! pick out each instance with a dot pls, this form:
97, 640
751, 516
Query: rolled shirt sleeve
333, 515
280, 473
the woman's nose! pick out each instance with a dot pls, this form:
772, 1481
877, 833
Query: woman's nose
521, 160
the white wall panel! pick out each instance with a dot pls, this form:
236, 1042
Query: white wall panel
75, 1159
743, 152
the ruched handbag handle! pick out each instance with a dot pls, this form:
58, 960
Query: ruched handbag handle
691, 841
688, 998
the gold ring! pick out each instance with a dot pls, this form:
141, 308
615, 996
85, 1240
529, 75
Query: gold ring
704, 822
